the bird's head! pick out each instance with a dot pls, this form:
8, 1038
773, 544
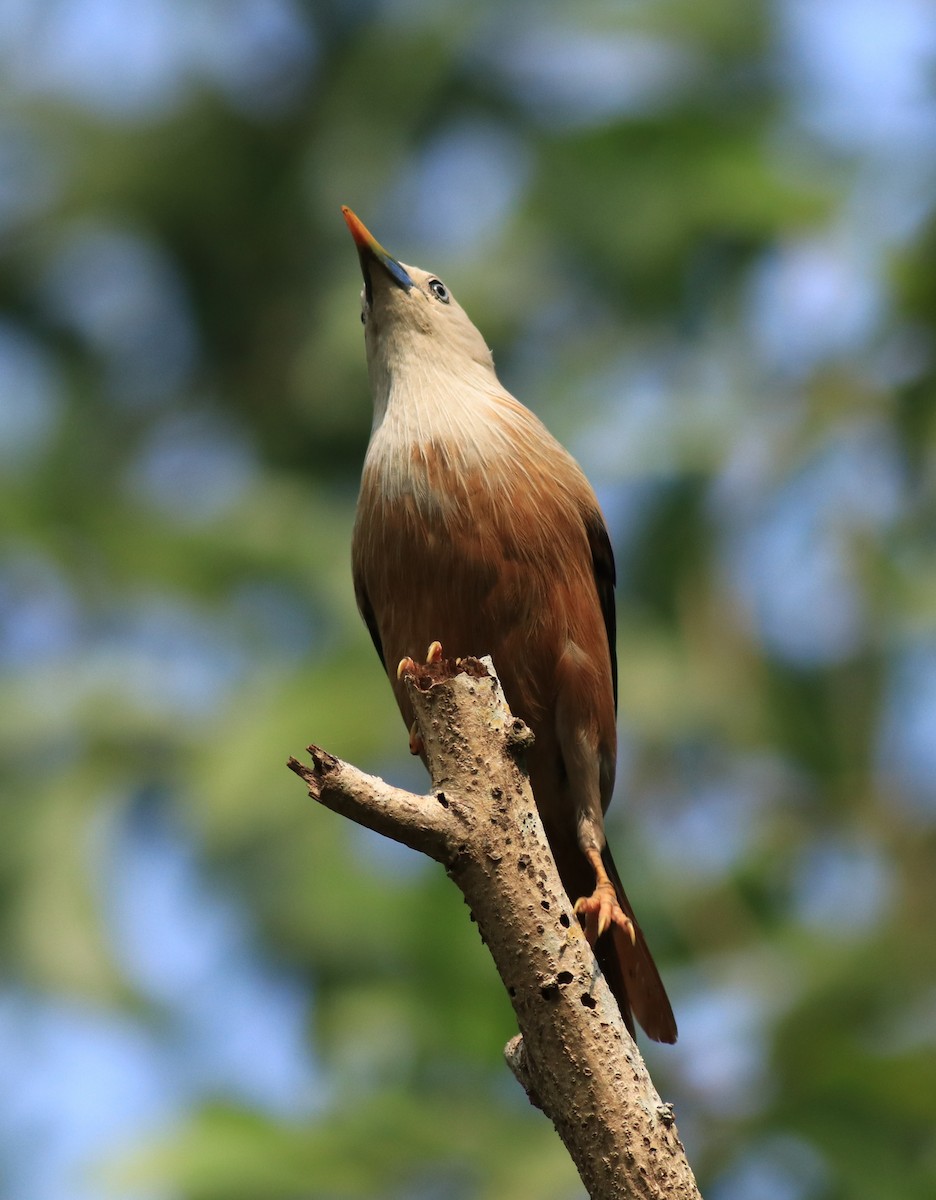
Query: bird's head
410, 317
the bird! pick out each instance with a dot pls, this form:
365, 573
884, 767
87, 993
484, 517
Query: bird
477, 531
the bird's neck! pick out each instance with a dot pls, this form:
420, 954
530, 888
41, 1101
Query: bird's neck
432, 418
419, 398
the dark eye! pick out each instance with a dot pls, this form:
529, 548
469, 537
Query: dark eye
363, 318
439, 290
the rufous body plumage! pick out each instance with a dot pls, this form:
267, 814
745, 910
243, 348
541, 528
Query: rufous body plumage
476, 528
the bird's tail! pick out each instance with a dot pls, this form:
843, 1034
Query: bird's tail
631, 972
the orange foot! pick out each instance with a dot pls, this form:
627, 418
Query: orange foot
406, 667
601, 909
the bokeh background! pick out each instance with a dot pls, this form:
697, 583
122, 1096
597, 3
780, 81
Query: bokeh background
700, 236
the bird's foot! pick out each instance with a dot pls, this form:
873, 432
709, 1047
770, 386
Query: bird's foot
601, 910
409, 666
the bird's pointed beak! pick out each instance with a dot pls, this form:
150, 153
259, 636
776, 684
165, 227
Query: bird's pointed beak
370, 251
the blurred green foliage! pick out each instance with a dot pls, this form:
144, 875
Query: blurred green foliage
649, 251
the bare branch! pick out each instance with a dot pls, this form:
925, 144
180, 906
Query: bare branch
420, 822
574, 1058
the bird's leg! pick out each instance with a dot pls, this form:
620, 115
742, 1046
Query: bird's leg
406, 667
601, 909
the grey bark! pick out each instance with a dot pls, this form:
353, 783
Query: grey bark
574, 1056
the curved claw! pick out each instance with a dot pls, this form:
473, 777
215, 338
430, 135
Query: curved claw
601, 910
409, 666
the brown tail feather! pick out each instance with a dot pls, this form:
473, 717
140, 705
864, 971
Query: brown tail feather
632, 974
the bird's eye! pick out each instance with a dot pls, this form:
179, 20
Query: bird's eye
439, 290
363, 317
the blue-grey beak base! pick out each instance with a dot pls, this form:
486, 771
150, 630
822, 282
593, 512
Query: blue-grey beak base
398, 273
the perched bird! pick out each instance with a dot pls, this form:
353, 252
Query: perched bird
476, 529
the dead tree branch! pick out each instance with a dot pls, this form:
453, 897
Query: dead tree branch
574, 1057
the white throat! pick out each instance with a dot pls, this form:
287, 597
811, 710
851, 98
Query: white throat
432, 417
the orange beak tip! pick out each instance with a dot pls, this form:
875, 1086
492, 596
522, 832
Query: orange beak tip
359, 231
370, 249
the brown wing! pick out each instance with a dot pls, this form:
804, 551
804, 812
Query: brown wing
630, 969
605, 579
367, 612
